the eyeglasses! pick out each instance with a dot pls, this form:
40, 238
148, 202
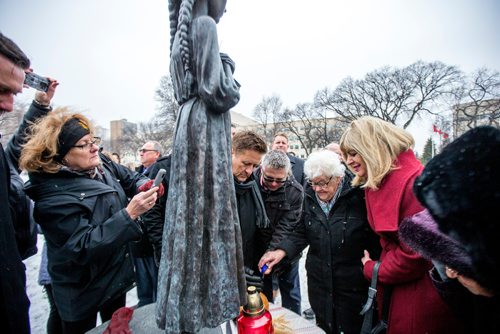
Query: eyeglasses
88, 145
271, 180
321, 184
143, 150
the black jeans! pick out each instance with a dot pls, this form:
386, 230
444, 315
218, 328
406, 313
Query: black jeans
54, 322
84, 325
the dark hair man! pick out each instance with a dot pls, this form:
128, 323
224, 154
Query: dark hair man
283, 197
247, 152
17, 237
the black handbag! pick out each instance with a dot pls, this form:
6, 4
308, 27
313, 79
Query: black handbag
369, 308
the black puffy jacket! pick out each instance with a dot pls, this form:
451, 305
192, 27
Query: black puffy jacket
87, 232
336, 285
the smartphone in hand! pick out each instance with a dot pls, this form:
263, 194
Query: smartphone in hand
36, 81
159, 177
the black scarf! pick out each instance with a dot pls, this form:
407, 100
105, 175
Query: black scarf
261, 220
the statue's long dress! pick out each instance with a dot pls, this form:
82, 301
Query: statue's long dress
201, 278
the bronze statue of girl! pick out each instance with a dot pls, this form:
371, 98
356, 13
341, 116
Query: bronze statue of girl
201, 278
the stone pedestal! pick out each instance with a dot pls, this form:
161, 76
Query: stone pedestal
143, 322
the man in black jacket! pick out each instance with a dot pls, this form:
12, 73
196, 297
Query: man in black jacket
248, 149
146, 271
154, 219
14, 224
283, 197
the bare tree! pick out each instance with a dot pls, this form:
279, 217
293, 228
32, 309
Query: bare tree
167, 108
267, 113
478, 102
312, 126
160, 127
392, 94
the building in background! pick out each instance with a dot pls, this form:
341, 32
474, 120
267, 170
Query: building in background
470, 115
313, 133
103, 133
119, 131
241, 121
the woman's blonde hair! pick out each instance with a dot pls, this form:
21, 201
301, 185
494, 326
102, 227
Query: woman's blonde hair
378, 143
40, 150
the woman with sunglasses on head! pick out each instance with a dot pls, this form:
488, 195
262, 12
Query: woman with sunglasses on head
335, 228
381, 156
81, 203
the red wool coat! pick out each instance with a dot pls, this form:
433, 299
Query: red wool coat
415, 304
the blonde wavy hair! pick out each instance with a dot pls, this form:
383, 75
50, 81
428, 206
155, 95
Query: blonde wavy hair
40, 150
378, 143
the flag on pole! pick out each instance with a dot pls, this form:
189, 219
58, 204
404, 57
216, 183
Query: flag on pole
441, 133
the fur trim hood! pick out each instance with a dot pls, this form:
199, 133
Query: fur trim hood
422, 234
461, 189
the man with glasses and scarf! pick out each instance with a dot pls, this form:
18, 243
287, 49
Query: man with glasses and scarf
283, 197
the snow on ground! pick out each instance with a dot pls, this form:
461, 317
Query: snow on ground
39, 310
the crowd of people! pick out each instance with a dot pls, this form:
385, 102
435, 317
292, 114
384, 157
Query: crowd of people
365, 207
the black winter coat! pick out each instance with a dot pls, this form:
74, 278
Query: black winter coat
143, 248
17, 233
254, 238
14, 302
336, 285
154, 219
87, 232
297, 165
283, 208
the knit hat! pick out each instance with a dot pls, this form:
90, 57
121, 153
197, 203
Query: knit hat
461, 189
72, 131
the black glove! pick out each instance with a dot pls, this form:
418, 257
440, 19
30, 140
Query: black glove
253, 280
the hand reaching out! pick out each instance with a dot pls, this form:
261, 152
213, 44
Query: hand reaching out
271, 258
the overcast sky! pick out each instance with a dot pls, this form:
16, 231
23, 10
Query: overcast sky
109, 55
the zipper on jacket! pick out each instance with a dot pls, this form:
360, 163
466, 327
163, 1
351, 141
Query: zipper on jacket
344, 228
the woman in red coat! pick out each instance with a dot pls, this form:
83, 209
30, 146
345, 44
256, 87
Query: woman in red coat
380, 155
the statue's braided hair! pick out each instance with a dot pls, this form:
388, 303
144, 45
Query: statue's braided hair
180, 15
